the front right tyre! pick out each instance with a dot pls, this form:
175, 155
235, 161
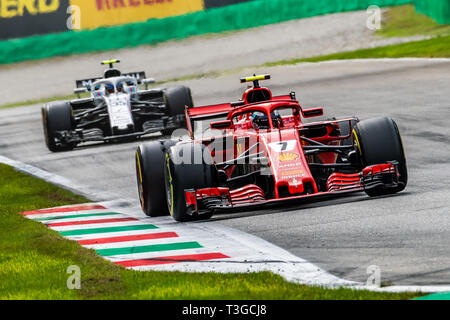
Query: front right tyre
56, 118
150, 162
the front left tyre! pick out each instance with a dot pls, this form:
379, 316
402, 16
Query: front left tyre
186, 168
378, 141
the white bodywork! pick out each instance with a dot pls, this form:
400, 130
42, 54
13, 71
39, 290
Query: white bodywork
116, 93
119, 110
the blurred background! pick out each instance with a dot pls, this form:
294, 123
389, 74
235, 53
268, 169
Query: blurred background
187, 39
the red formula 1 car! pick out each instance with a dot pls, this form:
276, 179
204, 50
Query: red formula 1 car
258, 151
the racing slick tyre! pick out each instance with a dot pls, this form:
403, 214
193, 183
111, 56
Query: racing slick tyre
150, 162
175, 99
183, 172
378, 141
56, 117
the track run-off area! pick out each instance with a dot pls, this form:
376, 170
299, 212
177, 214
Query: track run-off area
405, 235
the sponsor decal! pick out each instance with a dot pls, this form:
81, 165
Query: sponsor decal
117, 4
137, 75
14, 8
292, 173
294, 176
287, 156
288, 165
99, 13
21, 18
119, 111
86, 82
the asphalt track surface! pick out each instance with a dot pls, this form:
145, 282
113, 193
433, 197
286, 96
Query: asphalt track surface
406, 235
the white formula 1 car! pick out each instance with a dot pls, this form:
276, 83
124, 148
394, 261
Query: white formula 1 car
116, 109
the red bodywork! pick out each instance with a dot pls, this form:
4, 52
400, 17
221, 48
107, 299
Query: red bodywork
287, 151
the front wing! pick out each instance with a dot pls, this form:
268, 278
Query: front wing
78, 136
252, 197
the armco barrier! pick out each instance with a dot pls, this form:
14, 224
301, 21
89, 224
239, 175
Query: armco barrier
240, 16
439, 10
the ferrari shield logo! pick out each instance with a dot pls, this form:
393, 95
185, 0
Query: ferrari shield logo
287, 156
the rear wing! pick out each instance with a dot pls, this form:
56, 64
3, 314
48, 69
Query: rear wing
140, 75
86, 82
137, 75
210, 112
218, 110
205, 113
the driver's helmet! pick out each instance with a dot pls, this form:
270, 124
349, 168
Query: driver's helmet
99, 91
130, 86
109, 88
260, 120
277, 121
120, 86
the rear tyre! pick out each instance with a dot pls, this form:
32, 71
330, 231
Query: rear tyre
150, 161
57, 117
187, 174
378, 141
175, 99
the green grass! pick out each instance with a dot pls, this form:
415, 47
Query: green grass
404, 21
438, 47
401, 21
34, 262
41, 101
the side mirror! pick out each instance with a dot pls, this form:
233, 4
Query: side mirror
316, 112
79, 91
147, 81
221, 125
